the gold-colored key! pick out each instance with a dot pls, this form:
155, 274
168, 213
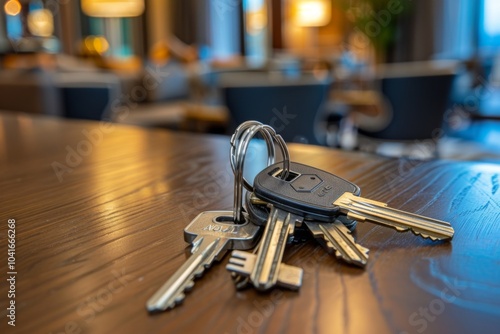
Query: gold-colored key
366, 210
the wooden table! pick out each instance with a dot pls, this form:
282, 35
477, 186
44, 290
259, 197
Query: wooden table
98, 235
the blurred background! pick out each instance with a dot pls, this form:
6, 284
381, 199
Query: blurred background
418, 79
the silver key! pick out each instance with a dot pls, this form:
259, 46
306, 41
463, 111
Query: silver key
212, 234
337, 239
265, 267
362, 209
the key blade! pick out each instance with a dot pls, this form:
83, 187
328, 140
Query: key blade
172, 292
242, 263
362, 209
337, 238
279, 227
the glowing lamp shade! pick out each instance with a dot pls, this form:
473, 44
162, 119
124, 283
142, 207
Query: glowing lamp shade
113, 8
312, 13
41, 23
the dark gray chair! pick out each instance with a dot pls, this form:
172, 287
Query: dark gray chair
294, 107
416, 96
417, 101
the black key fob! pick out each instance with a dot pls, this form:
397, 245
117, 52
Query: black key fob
307, 191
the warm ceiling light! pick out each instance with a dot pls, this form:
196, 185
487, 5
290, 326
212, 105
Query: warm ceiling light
113, 8
12, 7
41, 23
312, 13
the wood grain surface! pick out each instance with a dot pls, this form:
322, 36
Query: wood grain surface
99, 228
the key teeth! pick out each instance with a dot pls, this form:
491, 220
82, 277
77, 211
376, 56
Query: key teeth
189, 286
433, 237
240, 255
363, 261
235, 269
326, 235
179, 299
176, 301
198, 273
181, 295
239, 267
330, 247
237, 261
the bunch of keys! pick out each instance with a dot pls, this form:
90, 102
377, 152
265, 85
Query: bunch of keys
286, 198
213, 233
324, 204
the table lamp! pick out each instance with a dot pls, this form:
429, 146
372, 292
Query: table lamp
312, 14
113, 8
112, 11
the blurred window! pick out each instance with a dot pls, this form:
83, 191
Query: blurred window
14, 26
489, 26
456, 29
224, 29
116, 31
256, 31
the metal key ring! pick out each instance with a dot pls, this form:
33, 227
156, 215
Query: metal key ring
268, 135
241, 131
238, 156
239, 145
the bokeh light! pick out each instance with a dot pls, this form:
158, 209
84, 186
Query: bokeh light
12, 7
41, 22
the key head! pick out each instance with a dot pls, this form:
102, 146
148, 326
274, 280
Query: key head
307, 191
221, 224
